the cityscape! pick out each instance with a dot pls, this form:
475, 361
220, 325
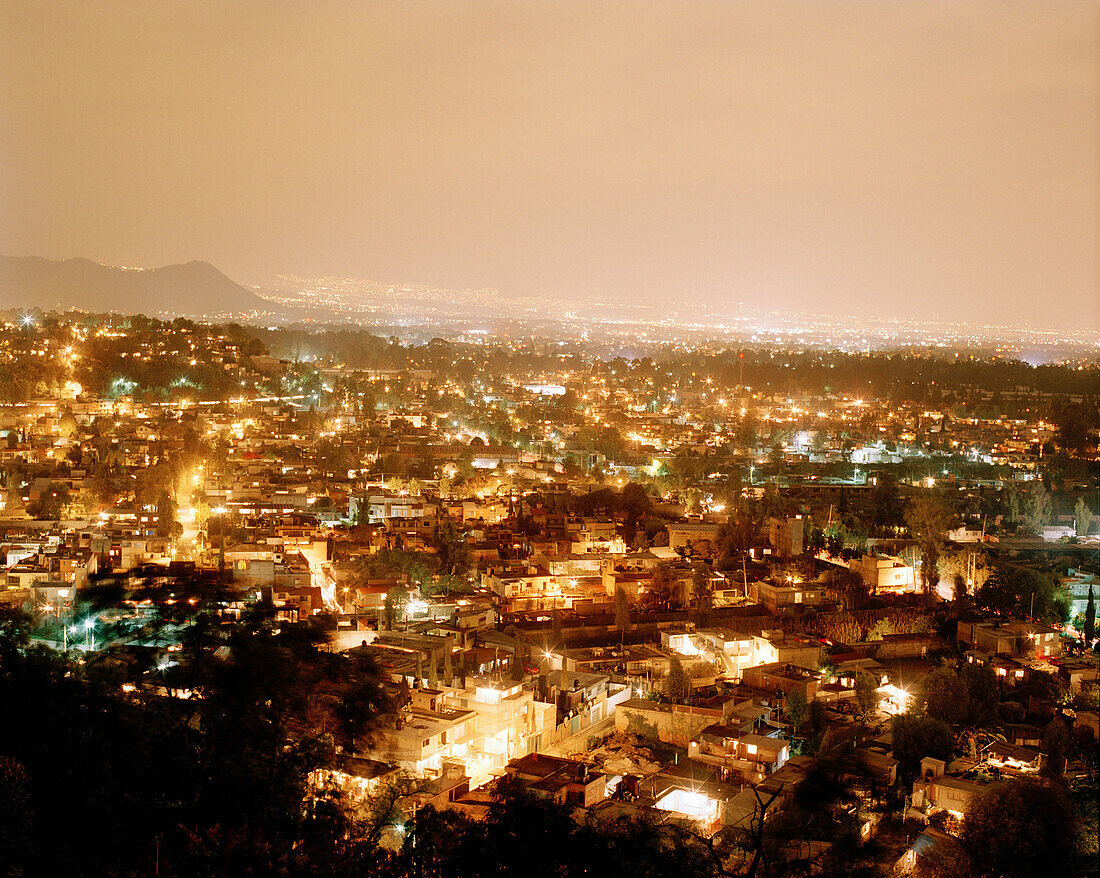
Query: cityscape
508, 540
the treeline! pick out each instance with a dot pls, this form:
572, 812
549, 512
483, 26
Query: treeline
198, 765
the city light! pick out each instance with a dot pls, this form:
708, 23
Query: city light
665, 392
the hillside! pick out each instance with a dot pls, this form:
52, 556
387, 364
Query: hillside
195, 288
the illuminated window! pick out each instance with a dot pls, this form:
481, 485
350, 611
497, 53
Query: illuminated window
750, 749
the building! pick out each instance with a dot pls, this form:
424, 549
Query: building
738, 756
565, 781
787, 595
482, 726
693, 538
1018, 638
783, 677
884, 573
936, 790
676, 724
785, 535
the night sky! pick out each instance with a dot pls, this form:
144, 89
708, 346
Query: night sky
890, 158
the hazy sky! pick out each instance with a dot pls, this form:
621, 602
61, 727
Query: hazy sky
905, 158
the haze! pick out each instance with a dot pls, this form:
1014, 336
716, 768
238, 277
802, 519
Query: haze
905, 159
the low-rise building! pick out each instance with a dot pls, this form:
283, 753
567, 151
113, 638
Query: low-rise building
885, 573
738, 756
786, 535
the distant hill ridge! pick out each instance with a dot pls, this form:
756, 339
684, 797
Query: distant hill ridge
193, 288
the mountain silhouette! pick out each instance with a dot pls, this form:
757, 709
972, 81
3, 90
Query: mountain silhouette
193, 289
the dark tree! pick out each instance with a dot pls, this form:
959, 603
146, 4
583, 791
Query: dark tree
945, 695
916, 737
622, 610
927, 518
1090, 619
451, 548
983, 693
702, 594
1020, 828
1056, 748
796, 709
678, 685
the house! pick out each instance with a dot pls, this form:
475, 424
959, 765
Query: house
937, 790
582, 700
693, 538
296, 603
690, 794
786, 535
746, 757
565, 781
1012, 758
783, 677
931, 844
885, 573
787, 595
780, 646
1020, 638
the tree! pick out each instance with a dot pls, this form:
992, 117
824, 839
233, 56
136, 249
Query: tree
817, 719
1090, 620
660, 592
944, 695
866, 694
796, 708
166, 514
451, 548
1022, 591
448, 666
1020, 828
1038, 508
1076, 425
394, 606
983, 693
523, 834
15, 815
927, 519
51, 502
153, 780
1082, 517
622, 611
635, 503
916, 737
66, 424
1056, 748
678, 685
433, 672
886, 502
702, 594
